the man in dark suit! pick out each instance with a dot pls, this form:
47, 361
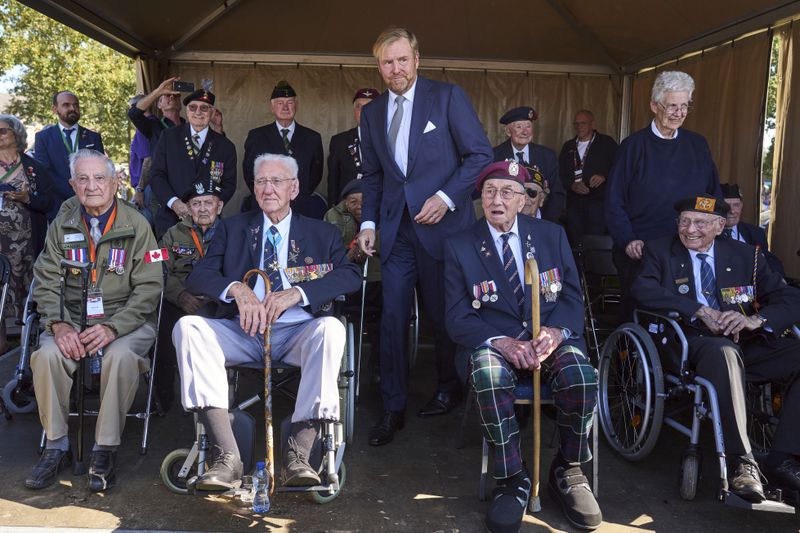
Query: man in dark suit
307, 269
187, 154
488, 310
287, 137
584, 163
733, 327
344, 154
422, 147
55, 143
520, 147
744, 232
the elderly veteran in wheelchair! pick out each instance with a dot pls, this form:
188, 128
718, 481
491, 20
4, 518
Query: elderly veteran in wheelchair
733, 310
488, 313
124, 292
308, 268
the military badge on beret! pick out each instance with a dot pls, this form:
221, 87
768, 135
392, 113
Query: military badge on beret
705, 204
513, 168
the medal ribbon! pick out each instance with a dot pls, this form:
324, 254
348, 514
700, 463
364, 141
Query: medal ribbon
92, 250
10, 171
197, 243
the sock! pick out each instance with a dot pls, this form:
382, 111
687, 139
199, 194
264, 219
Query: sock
58, 444
103, 448
218, 427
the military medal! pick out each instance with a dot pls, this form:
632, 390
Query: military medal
308, 260
531, 248
493, 298
294, 252
215, 170
476, 303
550, 284
116, 260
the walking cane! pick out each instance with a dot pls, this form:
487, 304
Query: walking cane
267, 380
79, 468
532, 279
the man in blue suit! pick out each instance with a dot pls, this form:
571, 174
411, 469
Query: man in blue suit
55, 143
488, 310
307, 267
422, 146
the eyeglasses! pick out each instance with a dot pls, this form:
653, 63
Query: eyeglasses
506, 193
275, 182
686, 222
3, 131
202, 108
675, 109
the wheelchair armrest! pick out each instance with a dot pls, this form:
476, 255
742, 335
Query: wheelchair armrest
671, 318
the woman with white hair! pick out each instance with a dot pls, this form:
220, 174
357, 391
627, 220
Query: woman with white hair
655, 167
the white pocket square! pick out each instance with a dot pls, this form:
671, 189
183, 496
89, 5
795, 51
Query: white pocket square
430, 126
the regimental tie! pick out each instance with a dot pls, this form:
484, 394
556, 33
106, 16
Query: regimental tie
521, 158
394, 127
708, 283
95, 232
271, 264
196, 141
286, 142
512, 274
68, 133
728, 232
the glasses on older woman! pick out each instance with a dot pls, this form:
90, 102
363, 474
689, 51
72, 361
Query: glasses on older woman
675, 109
3, 131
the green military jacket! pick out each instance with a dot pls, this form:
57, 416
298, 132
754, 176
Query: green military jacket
183, 254
130, 294
340, 217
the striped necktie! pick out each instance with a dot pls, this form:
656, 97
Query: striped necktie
286, 142
708, 283
271, 264
512, 273
521, 158
196, 141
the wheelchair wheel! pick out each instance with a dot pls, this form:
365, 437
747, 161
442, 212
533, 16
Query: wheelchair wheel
763, 412
19, 397
322, 497
347, 384
690, 475
171, 467
631, 397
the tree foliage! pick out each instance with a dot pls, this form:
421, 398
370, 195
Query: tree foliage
51, 57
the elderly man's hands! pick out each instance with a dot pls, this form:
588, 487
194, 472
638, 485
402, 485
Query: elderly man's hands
96, 337
733, 322
711, 318
252, 313
579, 187
546, 342
278, 302
634, 249
74, 345
520, 354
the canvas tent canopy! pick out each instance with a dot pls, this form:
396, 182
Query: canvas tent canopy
557, 55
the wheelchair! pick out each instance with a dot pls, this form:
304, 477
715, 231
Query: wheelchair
637, 396
181, 468
18, 395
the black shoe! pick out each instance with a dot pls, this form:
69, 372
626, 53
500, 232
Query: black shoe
440, 404
45, 473
102, 470
569, 487
383, 432
224, 474
786, 475
297, 471
509, 500
746, 482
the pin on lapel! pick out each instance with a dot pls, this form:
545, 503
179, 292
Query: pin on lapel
484, 251
727, 269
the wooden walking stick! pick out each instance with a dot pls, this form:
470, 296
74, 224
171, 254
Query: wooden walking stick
267, 380
532, 279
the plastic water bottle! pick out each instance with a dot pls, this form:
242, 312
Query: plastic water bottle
261, 489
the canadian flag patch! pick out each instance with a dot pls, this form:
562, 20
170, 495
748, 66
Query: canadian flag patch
154, 256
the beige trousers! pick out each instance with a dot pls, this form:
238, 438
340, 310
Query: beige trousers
123, 360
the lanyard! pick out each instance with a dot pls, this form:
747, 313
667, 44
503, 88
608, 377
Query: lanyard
68, 143
578, 163
197, 243
11, 171
92, 251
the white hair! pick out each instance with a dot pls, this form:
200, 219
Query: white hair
289, 162
671, 81
88, 153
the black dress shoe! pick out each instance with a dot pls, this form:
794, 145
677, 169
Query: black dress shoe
441, 403
509, 500
45, 473
786, 475
224, 474
383, 432
102, 470
746, 482
570, 488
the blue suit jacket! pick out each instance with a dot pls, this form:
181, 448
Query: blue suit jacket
448, 158
237, 247
50, 151
754, 235
471, 258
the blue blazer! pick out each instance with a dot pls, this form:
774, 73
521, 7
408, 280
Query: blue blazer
471, 258
50, 151
448, 158
754, 235
238, 246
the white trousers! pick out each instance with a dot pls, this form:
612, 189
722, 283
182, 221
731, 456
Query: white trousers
205, 346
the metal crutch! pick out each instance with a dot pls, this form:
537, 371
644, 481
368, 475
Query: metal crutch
532, 279
79, 468
267, 380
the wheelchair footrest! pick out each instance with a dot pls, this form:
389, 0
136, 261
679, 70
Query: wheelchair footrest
768, 505
313, 488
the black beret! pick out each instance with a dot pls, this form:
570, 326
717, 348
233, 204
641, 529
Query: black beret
519, 113
283, 90
702, 204
352, 187
731, 190
200, 95
202, 188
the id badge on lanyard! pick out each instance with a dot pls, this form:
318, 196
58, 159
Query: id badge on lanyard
94, 304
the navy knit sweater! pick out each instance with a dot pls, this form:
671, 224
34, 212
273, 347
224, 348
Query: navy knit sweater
649, 175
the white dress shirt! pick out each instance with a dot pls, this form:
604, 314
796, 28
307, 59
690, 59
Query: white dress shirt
654, 129
202, 134
291, 127
526, 153
514, 243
